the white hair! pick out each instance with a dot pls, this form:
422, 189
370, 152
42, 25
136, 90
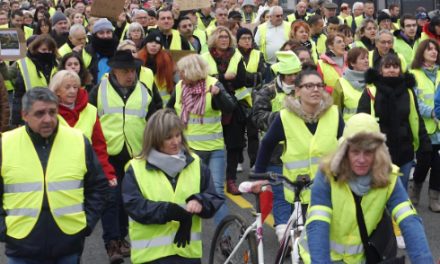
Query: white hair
135, 26
139, 11
358, 4
274, 8
76, 27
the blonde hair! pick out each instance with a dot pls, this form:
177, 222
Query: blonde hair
193, 67
382, 164
216, 34
60, 77
123, 44
160, 127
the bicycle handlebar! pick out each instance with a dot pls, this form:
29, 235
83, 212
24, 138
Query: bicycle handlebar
302, 181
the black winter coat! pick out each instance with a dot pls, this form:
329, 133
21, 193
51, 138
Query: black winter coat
392, 108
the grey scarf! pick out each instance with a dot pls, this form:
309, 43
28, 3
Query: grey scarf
172, 165
355, 78
360, 185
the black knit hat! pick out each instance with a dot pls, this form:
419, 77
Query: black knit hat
243, 31
153, 36
382, 16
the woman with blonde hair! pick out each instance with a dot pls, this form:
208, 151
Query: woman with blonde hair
175, 210
339, 226
226, 64
75, 111
199, 100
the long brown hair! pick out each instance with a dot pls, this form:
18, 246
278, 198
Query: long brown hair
419, 59
164, 67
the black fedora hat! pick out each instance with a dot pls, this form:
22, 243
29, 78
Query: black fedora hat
124, 59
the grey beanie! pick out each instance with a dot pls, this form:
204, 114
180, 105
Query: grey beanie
102, 24
57, 17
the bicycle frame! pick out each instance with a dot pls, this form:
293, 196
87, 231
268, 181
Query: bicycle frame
257, 225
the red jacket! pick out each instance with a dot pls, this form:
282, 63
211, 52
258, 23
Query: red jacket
98, 141
430, 34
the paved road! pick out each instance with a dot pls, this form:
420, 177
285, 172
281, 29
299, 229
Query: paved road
94, 252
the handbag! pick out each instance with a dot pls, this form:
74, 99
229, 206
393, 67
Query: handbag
381, 246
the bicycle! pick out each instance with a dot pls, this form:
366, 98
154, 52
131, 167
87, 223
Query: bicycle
237, 241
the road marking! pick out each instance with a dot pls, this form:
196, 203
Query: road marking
245, 204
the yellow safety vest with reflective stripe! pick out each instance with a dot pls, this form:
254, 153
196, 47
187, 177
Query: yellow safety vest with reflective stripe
206, 136
203, 40
253, 15
124, 32
63, 50
146, 76
278, 102
163, 92
200, 24
403, 48
292, 18
176, 41
413, 118
123, 123
30, 75
254, 60
25, 182
263, 36
351, 98
329, 73
428, 89
86, 121
28, 32
154, 241
304, 150
345, 240
87, 58
403, 64
320, 44
241, 93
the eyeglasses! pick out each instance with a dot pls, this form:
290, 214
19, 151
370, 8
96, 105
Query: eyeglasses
310, 86
246, 38
390, 42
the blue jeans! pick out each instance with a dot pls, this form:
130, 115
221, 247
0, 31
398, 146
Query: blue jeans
71, 259
215, 161
281, 208
405, 169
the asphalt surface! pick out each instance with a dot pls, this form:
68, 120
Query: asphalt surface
94, 252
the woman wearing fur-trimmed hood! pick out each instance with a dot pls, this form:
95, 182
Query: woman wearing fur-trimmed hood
309, 125
359, 177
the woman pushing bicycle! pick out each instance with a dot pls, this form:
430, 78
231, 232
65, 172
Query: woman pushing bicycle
355, 187
309, 125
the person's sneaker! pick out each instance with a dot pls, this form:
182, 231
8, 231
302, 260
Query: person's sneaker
232, 188
400, 242
114, 253
124, 247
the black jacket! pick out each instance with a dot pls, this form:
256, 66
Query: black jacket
46, 240
392, 107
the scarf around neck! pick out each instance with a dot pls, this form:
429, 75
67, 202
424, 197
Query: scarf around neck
172, 165
355, 78
360, 185
193, 100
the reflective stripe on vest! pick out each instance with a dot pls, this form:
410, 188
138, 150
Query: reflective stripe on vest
263, 36
86, 121
304, 149
155, 241
25, 182
162, 89
319, 212
402, 211
351, 98
206, 136
30, 75
413, 118
122, 123
427, 90
241, 93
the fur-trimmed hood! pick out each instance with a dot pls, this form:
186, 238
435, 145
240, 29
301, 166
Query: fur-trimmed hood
372, 76
293, 104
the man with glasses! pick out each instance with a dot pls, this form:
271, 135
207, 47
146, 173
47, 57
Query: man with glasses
407, 39
271, 36
141, 16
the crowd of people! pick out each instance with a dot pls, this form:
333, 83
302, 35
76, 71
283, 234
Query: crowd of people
104, 119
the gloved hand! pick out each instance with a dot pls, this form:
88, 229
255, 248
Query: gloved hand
183, 234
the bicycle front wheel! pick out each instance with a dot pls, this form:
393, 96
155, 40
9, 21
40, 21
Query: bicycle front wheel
226, 238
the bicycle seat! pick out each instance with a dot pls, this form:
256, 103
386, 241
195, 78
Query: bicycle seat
254, 187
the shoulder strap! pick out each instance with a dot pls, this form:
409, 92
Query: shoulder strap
361, 223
